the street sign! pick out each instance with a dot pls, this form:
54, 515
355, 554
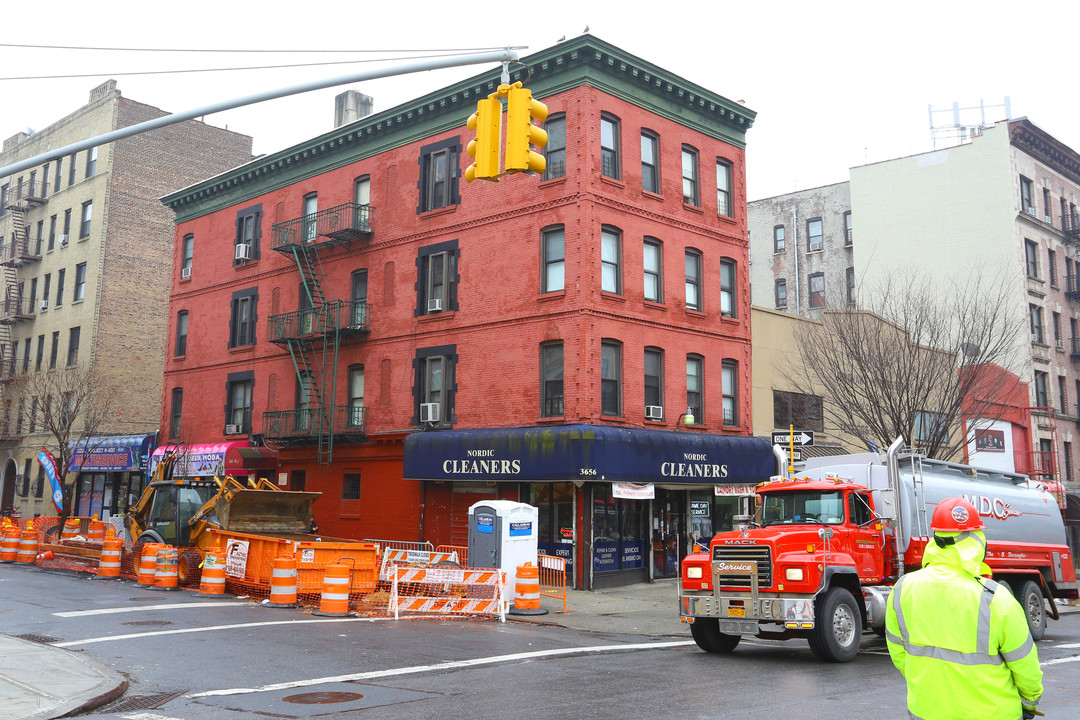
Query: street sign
804, 438
796, 454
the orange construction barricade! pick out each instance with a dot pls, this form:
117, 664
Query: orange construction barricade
71, 529
165, 569
527, 591
109, 564
9, 548
283, 583
96, 531
335, 592
144, 577
212, 583
27, 545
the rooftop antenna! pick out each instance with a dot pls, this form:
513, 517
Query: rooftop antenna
962, 129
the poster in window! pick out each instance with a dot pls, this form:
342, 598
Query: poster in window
990, 441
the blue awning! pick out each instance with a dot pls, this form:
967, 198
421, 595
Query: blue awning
587, 452
118, 453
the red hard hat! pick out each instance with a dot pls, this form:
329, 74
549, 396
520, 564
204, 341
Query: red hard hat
955, 514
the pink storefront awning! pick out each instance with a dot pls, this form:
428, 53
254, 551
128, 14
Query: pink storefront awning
204, 460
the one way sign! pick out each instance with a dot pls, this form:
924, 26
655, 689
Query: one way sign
802, 438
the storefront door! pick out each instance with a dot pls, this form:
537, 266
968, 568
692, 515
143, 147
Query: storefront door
668, 533
555, 505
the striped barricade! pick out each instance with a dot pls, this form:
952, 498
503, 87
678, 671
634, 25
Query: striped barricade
409, 556
553, 578
447, 591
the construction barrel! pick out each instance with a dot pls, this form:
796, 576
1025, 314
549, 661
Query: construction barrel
527, 591
165, 569
144, 577
283, 583
335, 593
9, 548
109, 564
28, 545
213, 576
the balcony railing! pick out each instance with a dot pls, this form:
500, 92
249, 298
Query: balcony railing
349, 316
15, 308
1074, 349
1072, 287
309, 423
343, 222
1070, 225
25, 194
21, 250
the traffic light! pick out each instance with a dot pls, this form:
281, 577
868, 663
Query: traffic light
521, 110
484, 148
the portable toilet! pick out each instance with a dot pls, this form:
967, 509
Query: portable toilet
503, 534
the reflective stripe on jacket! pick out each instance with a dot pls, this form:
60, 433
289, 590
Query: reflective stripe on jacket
961, 642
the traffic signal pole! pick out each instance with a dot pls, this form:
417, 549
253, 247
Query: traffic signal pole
501, 56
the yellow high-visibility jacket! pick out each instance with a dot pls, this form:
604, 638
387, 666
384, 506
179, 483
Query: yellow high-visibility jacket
961, 641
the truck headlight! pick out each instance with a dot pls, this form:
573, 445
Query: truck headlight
794, 574
693, 573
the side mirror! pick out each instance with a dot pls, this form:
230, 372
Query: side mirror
825, 533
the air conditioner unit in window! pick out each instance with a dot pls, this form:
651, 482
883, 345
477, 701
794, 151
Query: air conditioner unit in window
63, 240
1060, 344
654, 412
185, 273
1049, 220
243, 251
1035, 338
1031, 211
429, 412
232, 430
44, 304
434, 305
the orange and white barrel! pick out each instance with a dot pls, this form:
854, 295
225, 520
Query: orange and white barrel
527, 591
335, 593
283, 583
109, 564
213, 575
144, 576
166, 576
96, 531
71, 529
9, 546
27, 545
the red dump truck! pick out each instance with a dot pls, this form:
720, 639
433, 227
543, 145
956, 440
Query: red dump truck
819, 558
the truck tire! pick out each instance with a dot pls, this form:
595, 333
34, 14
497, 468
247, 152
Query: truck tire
188, 572
837, 629
707, 635
1031, 599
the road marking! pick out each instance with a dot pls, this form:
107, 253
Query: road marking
145, 608
148, 716
211, 628
1074, 658
1066, 646
450, 665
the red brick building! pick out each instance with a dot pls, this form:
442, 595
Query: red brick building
409, 344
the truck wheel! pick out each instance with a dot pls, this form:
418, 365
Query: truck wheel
1031, 599
188, 572
838, 627
707, 635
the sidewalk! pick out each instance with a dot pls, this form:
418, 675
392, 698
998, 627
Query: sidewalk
642, 609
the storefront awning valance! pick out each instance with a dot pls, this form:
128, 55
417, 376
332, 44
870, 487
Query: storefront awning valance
117, 453
239, 460
587, 452
196, 460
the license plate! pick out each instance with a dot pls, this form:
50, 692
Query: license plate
736, 612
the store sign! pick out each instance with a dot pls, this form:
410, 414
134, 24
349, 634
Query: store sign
633, 491
733, 490
481, 462
693, 465
699, 508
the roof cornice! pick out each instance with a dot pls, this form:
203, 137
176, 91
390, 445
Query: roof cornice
1044, 147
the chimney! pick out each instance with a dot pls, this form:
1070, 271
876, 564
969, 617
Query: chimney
350, 106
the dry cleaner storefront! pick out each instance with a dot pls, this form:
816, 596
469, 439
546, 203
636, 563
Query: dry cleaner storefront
622, 505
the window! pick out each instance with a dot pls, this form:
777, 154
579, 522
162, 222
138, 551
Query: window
849, 279
611, 378
362, 200
1057, 329
610, 260
693, 280
1042, 397
435, 380
187, 255
60, 286
358, 294
350, 486
551, 380
59, 174
805, 412
45, 181
356, 396
80, 282
33, 296
723, 189
55, 350
67, 226
729, 381
817, 290
609, 147
71, 170
814, 234
1035, 314
73, 347
1027, 203
781, 293
26, 354
1063, 395
175, 413
652, 261
555, 150
727, 288
4, 189
249, 231
52, 233
438, 175
929, 427
848, 232
554, 259
46, 286
1051, 267
1031, 258
238, 393
40, 237
1048, 216
437, 265
40, 351
303, 402
779, 240
311, 208
654, 376
695, 387
181, 333
690, 176
91, 161
650, 162
243, 317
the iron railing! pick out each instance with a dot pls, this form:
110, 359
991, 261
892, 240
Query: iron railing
310, 423
343, 222
20, 250
334, 316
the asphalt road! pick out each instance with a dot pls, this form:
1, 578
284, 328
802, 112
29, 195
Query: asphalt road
193, 658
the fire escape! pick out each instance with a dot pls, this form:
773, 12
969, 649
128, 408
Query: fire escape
313, 334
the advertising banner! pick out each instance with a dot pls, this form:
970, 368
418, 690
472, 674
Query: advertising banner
49, 466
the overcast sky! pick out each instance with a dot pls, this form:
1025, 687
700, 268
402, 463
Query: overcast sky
835, 84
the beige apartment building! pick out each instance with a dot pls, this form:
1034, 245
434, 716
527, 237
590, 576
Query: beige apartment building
85, 260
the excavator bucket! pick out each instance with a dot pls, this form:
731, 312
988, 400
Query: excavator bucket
265, 511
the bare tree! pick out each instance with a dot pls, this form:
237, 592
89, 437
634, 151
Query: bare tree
73, 406
930, 361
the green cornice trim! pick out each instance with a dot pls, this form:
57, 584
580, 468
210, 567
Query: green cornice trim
1043, 146
585, 60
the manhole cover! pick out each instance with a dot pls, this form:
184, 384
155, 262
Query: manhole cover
43, 639
148, 623
322, 698
144, 599
143, 702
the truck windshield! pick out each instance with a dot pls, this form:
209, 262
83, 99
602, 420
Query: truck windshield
794, 508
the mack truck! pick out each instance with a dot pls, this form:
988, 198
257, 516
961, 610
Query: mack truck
820, 556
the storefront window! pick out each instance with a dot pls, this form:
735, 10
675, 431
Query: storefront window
555, 502
619, 532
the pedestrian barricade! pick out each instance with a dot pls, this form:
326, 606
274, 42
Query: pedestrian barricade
283, 583
9, 548
461, 550
553, 578
213, 576
109, 564
28, 543
447, 591
165, 569
409, 556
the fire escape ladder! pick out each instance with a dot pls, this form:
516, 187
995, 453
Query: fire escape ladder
311, 273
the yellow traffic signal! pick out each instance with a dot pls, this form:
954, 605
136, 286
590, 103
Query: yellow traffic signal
484, 148
521, 110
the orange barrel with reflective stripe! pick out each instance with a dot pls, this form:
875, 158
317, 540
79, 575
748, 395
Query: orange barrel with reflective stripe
96, 532
165, 569
527, 591
109, 564
71, 529
9, 547
283, 583
213, 576
144, 576
27, 545
335, 592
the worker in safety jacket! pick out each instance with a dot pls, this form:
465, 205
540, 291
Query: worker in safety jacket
960, 640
